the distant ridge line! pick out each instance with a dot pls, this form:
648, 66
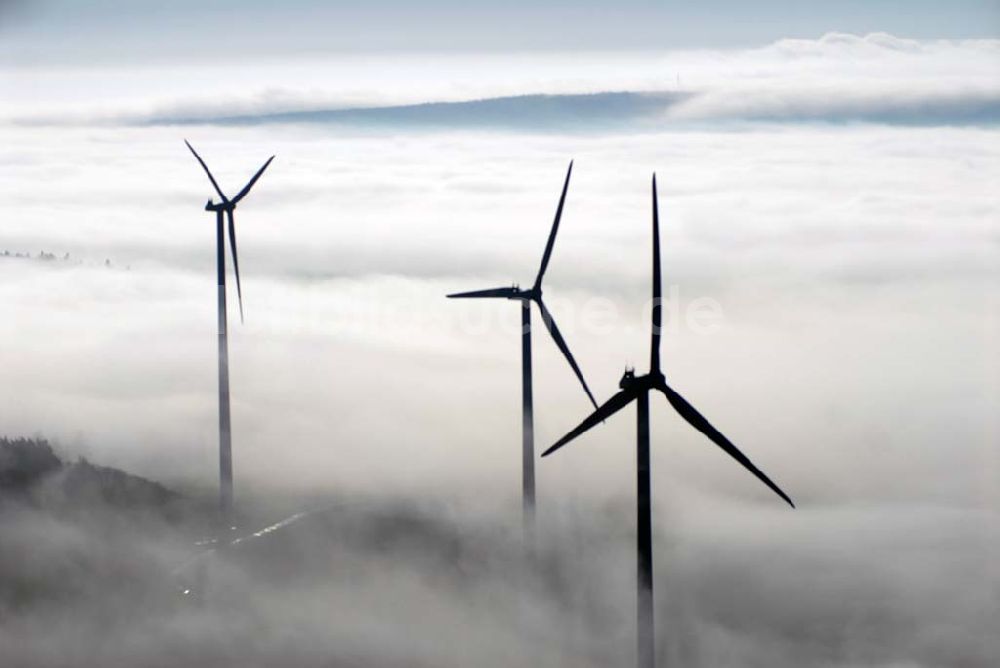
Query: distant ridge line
547, 110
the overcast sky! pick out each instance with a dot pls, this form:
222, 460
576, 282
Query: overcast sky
75, 31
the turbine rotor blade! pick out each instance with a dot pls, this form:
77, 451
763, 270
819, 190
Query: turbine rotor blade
505, 293
550, 324
607, 409
698, 421
249, 185
555, 229
236, 260
654, 344
205, 167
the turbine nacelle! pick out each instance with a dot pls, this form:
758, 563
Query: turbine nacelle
534, 294
650, 381
221, 206
514, 292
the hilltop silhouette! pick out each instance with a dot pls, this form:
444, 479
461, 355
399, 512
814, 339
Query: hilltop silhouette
31, 473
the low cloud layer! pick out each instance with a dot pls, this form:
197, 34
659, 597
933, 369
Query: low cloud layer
405, 583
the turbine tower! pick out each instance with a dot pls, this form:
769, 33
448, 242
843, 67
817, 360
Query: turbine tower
526, 297
637, 388
225, 208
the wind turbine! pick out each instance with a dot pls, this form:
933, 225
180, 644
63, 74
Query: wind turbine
637, 388
533, 294
225, 208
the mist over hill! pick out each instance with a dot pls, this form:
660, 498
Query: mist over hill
102, 568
